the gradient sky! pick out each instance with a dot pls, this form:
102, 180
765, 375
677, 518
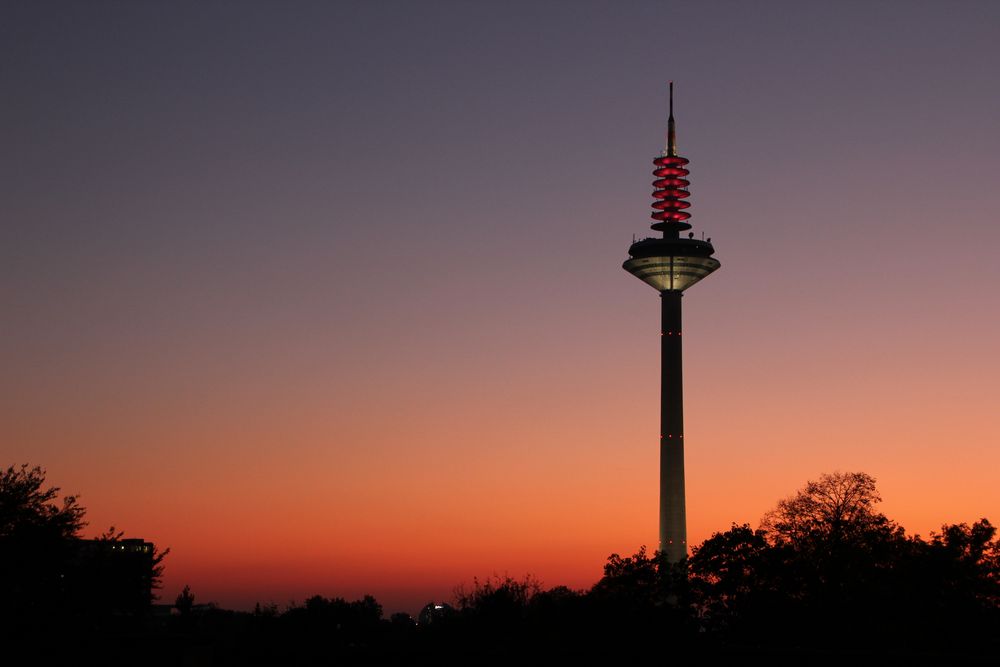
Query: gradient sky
327, 297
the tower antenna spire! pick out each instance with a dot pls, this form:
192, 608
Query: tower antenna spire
671, 133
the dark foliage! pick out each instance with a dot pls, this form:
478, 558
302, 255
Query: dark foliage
37, 534
52, 582
825, 577
826, 567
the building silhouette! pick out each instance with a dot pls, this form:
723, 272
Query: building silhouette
112, 576
671, 265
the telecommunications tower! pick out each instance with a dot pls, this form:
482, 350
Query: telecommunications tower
670, 265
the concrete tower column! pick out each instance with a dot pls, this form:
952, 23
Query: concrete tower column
673, 513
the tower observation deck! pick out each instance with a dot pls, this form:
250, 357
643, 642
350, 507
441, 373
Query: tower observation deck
670, 265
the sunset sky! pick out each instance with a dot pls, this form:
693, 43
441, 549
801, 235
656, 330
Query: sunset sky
327, 297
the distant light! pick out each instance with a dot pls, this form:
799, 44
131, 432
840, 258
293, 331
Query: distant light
438, 606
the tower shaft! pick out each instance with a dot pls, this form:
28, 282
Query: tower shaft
673, 513
671, 265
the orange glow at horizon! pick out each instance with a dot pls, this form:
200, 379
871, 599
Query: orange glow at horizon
544, 464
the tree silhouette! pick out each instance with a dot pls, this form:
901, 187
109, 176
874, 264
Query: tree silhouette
28, 511
185, 602
837, 552
632, 583
826, 564
37, 534
501, 598
836, 508
963, 563
732, 577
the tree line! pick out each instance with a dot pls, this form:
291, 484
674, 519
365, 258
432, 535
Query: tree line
825, 573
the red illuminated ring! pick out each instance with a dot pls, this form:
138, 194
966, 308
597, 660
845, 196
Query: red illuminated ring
671, 183
671, 204
676, 216
674, 160
671, 194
